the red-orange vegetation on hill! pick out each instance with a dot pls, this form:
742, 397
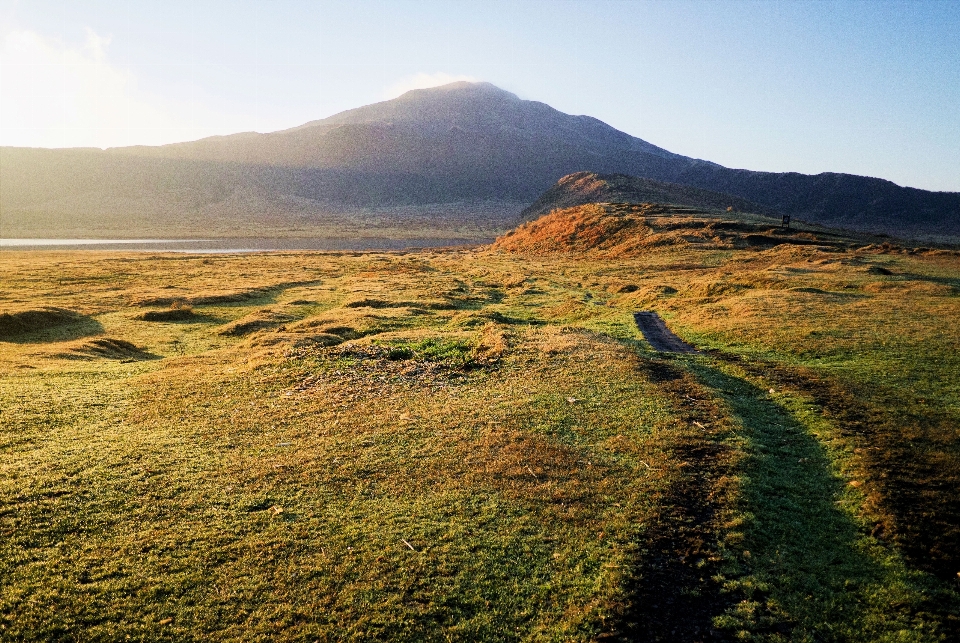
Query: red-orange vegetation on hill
609, 230
624, 230
585, 183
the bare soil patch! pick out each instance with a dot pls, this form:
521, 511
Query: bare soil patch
655, 331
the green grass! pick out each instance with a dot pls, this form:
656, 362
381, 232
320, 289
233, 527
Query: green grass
803, 555
472, 446
176, 520
457, 353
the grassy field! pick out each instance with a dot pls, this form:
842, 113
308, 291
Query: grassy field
479, 445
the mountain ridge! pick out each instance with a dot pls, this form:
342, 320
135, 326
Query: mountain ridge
582, 188
463, 143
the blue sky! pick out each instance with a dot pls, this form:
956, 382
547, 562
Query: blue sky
868, 88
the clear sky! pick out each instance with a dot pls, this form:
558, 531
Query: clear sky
868, 88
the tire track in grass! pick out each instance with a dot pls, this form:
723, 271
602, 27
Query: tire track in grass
676, 594
763, 538
661, 338
904, 459
802, 566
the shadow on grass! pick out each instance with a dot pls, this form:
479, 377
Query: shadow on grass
258, 296
677, 592
110, 348
477, 301
180, 317
47, 326
941, 281
801, 567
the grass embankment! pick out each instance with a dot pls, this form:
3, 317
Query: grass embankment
458, 445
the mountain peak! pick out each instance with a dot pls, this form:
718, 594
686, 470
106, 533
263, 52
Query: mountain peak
441, 104
463, 87
467, 141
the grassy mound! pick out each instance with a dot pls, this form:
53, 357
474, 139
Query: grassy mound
40, 319
623, 230
259, 320
580, 229
109, 348
169, 315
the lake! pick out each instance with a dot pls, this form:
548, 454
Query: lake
238, 244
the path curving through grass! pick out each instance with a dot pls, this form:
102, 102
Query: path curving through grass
800, 563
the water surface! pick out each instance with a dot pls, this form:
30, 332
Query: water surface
236, 244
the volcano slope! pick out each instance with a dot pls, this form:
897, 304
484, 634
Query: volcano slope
450, 162
477, 444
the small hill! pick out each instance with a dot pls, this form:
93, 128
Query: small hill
581, 188
623, 230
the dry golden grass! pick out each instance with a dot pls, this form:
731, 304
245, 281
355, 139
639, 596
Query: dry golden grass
618, 231
478, 445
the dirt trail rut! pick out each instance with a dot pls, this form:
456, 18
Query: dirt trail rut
655, 331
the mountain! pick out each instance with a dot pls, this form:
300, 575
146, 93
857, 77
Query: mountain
465, 143
582, 188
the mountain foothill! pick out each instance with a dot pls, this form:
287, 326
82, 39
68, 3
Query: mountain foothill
470, 144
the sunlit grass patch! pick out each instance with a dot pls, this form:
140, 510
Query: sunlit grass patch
803, 560
341, 483
458, 353
472, 445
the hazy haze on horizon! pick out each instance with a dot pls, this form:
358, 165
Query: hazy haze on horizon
869, 88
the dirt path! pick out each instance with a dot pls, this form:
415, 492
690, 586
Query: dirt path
677, 595
655, 331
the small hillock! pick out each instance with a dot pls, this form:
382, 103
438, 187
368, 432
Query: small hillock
31, 321
581, 188
615, 230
